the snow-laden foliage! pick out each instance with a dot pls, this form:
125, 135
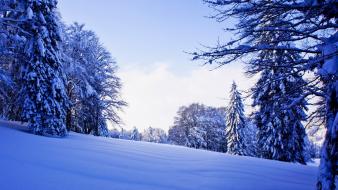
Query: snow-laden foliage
32, 62
278, 117
155, 135
315, 128
250, 133
311, 26
5, 87
42, 75
316, 135
38, 71
12, 42
329, 76
150, 134
235, 124
92, 84
199, 126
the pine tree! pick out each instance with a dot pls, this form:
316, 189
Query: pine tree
42, 76
280, 131
279, 119
235, 123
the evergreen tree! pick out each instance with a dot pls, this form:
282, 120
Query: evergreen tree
235, 123
250, 133
280, 132
279, 119
42, 76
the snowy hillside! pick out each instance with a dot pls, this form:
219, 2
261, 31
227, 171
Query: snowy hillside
87, 162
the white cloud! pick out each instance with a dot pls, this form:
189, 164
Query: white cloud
154, 96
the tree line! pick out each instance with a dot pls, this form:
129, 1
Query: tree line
150, 134
230, 130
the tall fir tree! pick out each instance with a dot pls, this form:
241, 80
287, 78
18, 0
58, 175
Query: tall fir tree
235, 123
42, 76
279, 119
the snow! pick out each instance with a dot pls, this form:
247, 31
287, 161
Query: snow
29, 13
87, 162
331, 64
41, 47
314, 162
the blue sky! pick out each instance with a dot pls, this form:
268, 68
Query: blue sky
147, 31
148, 39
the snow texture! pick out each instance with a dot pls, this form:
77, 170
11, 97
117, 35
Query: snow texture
331, 64
86, 162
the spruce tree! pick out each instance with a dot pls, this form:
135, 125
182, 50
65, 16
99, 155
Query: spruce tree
235, 123
279, 117
280, 131
42, 77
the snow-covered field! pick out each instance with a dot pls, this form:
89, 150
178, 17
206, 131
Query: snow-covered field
87, 162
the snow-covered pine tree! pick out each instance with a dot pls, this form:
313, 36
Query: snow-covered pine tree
280, 130
42, 75
235, 123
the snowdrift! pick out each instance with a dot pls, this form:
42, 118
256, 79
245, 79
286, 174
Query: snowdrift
87, 162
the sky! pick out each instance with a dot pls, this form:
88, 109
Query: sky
148, 39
